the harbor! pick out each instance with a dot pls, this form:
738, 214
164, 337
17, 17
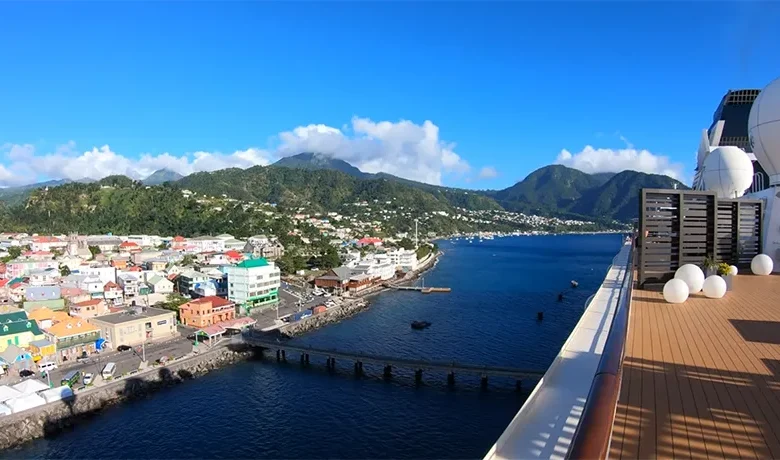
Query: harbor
380, 336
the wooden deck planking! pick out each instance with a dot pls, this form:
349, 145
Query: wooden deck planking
692, 385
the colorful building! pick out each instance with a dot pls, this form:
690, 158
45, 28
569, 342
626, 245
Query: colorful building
73, 337
253, 283
17, 329
89, 308
43, 296
206, 311
144, 325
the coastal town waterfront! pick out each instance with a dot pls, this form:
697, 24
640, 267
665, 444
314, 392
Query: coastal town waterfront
489, 318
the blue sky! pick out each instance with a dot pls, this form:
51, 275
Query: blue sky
92, 88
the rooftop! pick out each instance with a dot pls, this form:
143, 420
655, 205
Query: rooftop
124, 317
253, 263
701, 379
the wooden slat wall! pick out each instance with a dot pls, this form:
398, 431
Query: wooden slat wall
678, 227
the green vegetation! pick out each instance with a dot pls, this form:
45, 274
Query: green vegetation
94, 250
121, 205
406, 243
64, 270
13, 253
425, 249
172, 302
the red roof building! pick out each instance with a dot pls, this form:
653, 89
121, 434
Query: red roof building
369, 241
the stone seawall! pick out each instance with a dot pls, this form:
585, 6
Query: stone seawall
330, 316
49, 419
335, 315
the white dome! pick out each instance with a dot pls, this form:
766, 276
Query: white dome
764, 130
728, 172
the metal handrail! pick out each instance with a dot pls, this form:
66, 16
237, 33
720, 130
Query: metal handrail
594, 432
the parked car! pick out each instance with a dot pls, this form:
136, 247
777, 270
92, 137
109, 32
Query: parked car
47, 366
88, 378
24, 373
124, 348
83, 357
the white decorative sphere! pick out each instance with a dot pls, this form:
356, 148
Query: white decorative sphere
764, 130
761, 265
733, 270
728, 172
714, 287
675, 291
692, 276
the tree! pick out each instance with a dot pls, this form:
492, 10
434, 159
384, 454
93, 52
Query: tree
406, 243
14, 252
94, 250
173, 301
328, 259
64, 270
188, 260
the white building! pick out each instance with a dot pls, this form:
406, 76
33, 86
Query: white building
253, 282
44, 276
403, 259
47, 243
378, 265
205, 244
129, 283
145, 241
105, 274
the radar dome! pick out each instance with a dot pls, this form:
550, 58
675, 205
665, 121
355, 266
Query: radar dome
728, 172
764, 130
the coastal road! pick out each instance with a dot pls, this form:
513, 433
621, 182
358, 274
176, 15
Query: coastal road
125, 361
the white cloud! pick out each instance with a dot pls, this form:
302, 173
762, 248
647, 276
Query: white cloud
66, 163
488, 172
401, 148
593, 160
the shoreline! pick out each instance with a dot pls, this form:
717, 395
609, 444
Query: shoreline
52, 418
351, 309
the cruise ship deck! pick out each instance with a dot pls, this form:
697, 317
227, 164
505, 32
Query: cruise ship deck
702, 378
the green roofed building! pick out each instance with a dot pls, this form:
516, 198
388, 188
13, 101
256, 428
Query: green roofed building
253, 283
16, 329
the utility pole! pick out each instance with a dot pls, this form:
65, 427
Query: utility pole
143, 351
416, 243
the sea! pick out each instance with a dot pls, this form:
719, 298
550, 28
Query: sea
264, 409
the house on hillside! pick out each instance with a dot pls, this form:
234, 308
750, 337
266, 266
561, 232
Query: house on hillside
113, 294
369, 241
47, 243
89, 308
160, 285
43, 296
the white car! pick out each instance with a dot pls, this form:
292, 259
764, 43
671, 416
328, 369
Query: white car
88, 378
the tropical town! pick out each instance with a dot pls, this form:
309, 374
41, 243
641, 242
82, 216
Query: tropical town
77, 310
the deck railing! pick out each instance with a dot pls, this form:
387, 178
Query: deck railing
594, 432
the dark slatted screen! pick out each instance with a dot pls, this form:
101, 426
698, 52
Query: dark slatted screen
678, 227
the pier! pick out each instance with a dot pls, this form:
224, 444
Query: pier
424, 290
283, 351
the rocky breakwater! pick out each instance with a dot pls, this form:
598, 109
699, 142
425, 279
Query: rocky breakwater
332, 315
50, 419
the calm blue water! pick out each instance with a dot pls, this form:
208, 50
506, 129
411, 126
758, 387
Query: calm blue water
266, 410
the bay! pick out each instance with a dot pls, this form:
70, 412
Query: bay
262, 409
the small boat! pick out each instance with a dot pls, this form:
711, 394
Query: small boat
420, 324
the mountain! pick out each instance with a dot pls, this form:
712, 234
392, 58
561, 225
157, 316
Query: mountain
550, 188
618, 197
162, 176
567, 192
322, 188
318, 161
